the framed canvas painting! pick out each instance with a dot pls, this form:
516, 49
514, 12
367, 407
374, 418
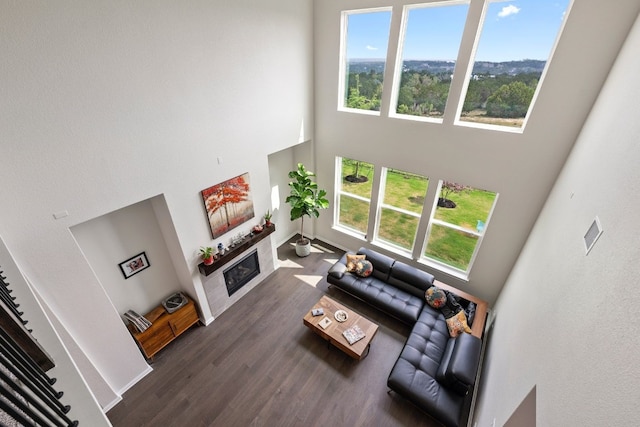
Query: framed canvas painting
228, 204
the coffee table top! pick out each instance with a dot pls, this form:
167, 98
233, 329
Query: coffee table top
333, 332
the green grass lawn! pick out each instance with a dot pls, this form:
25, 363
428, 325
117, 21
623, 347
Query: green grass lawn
407, 191
471, 206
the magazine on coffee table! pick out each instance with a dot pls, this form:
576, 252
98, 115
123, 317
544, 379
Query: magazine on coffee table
353, 334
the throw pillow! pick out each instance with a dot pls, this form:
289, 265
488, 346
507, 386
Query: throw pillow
351, 261
458, 324
435, 297
363, 268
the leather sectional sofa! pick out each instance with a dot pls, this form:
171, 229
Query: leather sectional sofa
434, 371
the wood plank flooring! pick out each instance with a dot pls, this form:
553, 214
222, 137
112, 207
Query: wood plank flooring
258, 365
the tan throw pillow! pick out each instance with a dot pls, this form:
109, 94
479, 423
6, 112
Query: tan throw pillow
458, 324
352, 259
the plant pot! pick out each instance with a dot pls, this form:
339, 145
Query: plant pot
303, 247
208, 261
267, 223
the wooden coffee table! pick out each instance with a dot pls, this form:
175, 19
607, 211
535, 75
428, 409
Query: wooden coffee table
333, 332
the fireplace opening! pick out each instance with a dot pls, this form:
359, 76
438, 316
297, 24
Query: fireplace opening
240, 273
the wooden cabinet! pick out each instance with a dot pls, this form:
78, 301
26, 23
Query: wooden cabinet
165, 327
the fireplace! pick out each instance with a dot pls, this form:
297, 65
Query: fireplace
241, 273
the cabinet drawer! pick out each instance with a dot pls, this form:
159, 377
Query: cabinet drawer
165, 327
156, 338
183, 319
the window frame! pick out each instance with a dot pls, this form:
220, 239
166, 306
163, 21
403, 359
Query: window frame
442, 266
377, 240
398, 66
343, 60
472, 60
339, 192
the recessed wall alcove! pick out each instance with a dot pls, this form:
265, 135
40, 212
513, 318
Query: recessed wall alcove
117, 236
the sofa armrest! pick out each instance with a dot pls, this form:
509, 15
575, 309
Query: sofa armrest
459, 364
337, 270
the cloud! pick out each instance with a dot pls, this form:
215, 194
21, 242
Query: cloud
508, 10
369, 47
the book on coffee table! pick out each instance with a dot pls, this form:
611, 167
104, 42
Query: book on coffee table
353, 334
324, 323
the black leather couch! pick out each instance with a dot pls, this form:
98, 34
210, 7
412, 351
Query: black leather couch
434, 371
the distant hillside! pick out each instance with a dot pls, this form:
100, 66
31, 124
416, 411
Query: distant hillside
436, 67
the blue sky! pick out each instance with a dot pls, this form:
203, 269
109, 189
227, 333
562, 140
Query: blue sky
513, 30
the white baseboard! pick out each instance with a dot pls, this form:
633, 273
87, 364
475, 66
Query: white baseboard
111, 404
135, 381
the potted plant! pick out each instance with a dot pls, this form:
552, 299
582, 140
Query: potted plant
305, 200
267, 218
206, 253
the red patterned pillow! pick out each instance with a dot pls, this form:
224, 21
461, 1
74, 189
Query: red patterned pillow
435, 297
363, 268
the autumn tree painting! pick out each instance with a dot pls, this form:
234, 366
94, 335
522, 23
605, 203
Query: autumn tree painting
228, 204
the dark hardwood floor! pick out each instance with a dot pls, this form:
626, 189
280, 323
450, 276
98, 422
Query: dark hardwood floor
258, 365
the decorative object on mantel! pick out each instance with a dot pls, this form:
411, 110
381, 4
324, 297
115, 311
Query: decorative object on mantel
257, 228
267, 219
237, 239
231, 253
206, 253
134, 265
228, 204
305, 200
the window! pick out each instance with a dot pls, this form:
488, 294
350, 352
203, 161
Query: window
365, 35
511, 55
354, 183
451, 231
399, 213
430, 46
457, 225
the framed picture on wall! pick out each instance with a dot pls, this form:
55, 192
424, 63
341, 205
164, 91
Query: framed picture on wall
134, 265
228, 204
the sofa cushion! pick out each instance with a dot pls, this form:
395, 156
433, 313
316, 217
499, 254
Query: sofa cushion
459, 364
381, 263
410, 279
414, 374
457, 324
337, 270
381, 295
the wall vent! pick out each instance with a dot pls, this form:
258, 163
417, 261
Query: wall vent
594, 231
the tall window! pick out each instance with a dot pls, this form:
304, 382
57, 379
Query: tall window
354, 183
365, 36
457, 225
430, 48
402, 195
516, 42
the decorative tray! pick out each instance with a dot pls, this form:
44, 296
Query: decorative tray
341, 315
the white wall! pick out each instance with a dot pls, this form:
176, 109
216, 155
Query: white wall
280, 163
110, 239
566, 321
106, 104
521, 167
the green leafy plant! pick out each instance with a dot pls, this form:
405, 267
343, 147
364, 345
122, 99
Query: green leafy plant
268, 215
305, 197
206, 252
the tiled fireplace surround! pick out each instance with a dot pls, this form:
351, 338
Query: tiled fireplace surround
214, 284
